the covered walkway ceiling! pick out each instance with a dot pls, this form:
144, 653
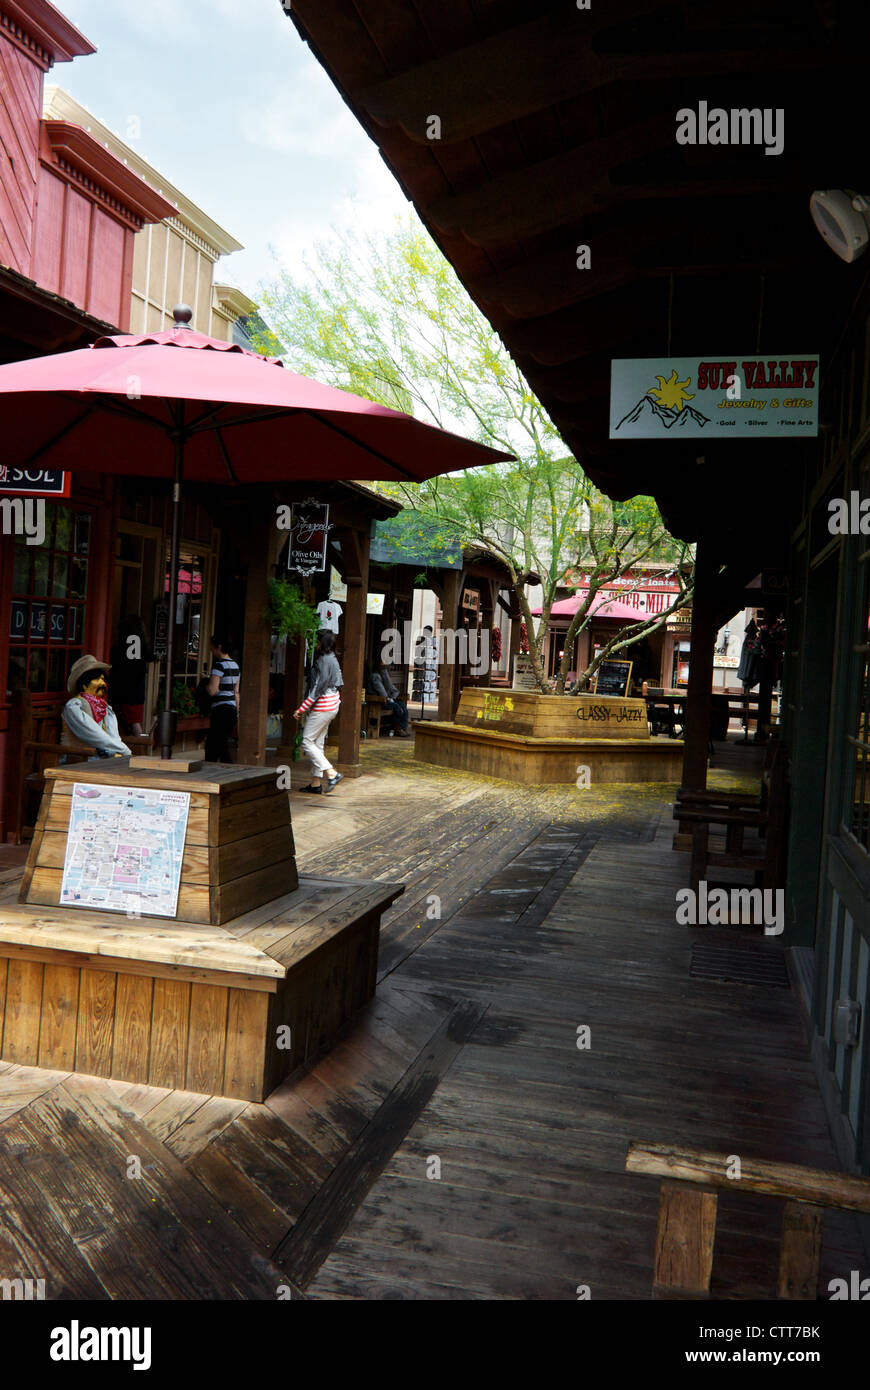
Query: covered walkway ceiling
557, 128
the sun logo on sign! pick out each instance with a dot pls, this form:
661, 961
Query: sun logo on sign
667, 402
672, 394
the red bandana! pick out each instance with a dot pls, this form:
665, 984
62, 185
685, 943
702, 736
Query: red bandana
98, 706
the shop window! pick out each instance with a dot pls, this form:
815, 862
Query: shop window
49, 594
192, 637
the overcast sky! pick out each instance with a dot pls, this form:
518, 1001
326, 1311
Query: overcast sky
235, 111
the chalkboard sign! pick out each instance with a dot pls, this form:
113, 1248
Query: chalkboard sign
612, 678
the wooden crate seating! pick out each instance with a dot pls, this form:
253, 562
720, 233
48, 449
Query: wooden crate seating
765, 811
33, 744
227, 1011
688, 1207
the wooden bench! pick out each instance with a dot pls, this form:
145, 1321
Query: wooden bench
376, 715
765, 811
228, 1010
34, 743
688, 1205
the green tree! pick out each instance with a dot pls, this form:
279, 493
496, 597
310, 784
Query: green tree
388, 319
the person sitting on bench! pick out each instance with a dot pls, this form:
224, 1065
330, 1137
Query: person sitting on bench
88, 716
381, 684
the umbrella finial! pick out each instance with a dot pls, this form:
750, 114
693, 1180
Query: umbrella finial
182, 313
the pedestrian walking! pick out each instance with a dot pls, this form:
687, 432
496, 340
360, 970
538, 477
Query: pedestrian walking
321, 705
223, 687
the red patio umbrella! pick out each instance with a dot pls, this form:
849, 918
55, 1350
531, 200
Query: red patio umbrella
180, 405
602, 606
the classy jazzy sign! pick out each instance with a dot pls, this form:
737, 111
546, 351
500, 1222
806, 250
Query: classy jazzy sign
715, 398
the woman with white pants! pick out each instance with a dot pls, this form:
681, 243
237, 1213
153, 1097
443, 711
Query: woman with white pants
321, 705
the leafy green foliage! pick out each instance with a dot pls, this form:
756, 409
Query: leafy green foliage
387, 318
288, 613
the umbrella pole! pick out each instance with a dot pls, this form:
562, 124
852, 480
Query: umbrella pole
168, 719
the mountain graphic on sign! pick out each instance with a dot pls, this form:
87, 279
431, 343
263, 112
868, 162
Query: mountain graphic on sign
667, 402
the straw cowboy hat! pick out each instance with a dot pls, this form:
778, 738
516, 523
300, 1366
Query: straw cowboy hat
80, 667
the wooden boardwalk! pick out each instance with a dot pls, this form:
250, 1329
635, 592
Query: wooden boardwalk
457, 1143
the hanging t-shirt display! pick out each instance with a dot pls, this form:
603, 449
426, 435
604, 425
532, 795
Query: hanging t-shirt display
329, 613
425, 669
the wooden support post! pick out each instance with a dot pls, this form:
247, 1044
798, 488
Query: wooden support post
294, 673
487, 621
262, 553
699, 695
448, 693
684, 1240
801, 1251
355, 557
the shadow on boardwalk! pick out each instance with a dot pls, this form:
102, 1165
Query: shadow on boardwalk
456, 1143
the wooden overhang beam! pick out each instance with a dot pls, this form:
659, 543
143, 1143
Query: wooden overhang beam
542, 284
552, 59
583, 182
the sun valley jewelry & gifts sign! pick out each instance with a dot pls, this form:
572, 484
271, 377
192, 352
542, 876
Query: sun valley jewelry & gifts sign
715, 397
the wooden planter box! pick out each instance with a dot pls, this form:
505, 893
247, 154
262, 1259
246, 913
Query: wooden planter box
552, 716
521, 736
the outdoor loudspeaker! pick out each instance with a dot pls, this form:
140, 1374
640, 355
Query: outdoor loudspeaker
841, 218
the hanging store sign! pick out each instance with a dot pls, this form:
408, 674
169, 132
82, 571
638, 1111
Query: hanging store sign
309, 530
714, 398
161, 630
523, 673
375, 603
34, 482
337, 586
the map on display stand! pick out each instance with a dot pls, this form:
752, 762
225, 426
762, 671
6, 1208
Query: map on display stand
124, 849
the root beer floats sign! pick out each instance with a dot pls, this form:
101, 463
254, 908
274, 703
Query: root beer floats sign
715, 397
552, 716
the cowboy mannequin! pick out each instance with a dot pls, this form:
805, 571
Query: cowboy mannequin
88, 716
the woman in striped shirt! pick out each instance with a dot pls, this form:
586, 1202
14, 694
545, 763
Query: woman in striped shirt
321, 705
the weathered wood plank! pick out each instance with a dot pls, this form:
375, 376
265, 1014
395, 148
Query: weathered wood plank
170, 1012
684, 1240
133, 1003
244, 1067
801, 1251
96, 1022
23, 1012
756, 1175
206, 1052
60, 1008
303, 1249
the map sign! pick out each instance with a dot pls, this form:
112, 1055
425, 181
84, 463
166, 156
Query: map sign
124, 849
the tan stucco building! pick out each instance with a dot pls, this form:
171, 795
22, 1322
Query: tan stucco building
174, 260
